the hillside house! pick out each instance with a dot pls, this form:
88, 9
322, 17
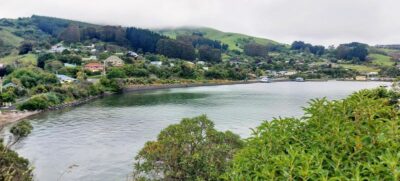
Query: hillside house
59, 48
69, 65
94, 67
65, 79
132, 54
90, 58
156, 63
8, 85
114, 61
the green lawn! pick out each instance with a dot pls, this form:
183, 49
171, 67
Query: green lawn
381, 60
360, 68
26, 60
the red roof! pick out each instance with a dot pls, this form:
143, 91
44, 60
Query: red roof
93, 65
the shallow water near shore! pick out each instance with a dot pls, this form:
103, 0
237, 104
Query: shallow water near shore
98, 141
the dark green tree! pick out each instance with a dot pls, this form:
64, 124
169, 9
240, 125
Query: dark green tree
25, 48
190, 150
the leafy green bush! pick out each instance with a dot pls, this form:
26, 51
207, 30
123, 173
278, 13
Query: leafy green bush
13, 167
21, 130
116, 73
190, 150
31, 77
38, 102
111, 84
352, 139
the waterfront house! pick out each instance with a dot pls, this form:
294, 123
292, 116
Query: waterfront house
114, 61
299, 79
361, 77
94, 67
65, 79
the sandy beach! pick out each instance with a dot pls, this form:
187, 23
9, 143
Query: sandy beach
7, 117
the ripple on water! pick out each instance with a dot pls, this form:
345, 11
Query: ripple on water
100, 139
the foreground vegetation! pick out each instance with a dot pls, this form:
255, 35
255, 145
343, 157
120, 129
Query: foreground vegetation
356, 138
13, 167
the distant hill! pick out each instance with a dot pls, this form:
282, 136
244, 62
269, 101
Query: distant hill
235, 41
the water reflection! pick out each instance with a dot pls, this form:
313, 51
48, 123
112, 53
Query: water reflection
103, 136
148, 99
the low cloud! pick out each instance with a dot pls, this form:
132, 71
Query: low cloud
317, 21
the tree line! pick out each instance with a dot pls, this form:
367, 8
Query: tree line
142, 40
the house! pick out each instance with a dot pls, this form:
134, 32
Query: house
65, 79
132, 54
289, 73
114, 61
200, 63
90, 58
94, 67
59, 48
6, 86
372, 76
156, 63
299, 79
90, 46
69, 65
360, 77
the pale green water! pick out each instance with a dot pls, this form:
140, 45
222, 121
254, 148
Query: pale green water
101, 138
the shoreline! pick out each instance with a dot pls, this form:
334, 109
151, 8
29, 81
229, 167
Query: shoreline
13, 116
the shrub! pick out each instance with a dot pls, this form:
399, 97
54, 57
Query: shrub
355, 138
21, 130
111, 84
13, 167
116, 73
38, 102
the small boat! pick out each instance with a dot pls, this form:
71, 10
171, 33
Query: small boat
265, 80
299, 79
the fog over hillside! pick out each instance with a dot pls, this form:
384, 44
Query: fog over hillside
317, 21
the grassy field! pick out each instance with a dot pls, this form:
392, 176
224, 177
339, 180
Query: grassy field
9, 38
234, 40
381, 60
26, 60
360, 68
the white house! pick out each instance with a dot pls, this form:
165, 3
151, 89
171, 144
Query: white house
59, 48
93, 57
200, 63
156, 63
69, 65
132, 54
65, 79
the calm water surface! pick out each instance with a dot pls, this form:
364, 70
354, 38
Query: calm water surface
98, 141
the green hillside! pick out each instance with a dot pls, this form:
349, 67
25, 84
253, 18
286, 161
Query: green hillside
8, 38
234, 40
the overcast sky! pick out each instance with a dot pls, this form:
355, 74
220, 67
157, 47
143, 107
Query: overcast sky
317, 21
